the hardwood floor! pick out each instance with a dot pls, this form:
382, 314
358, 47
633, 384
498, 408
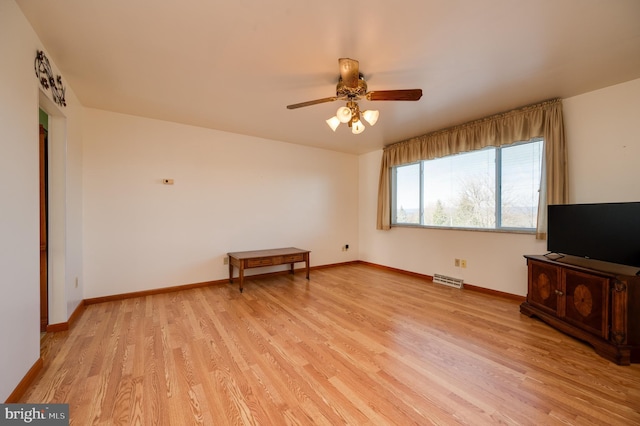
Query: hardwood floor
354, 345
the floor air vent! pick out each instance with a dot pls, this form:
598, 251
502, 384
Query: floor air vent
450, 281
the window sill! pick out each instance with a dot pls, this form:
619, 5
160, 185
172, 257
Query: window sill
451, 228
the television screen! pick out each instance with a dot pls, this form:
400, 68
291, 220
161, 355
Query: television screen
604, 231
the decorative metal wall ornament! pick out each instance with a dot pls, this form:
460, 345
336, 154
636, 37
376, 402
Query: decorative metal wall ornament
47, 80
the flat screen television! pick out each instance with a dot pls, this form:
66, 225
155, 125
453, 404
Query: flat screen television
605, 231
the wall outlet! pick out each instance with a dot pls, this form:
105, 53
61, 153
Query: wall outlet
463, 263
345, 247
457, 263
225, 260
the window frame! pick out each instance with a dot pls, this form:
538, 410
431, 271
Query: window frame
498, 193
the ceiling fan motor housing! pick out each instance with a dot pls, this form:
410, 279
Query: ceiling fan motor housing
343, 90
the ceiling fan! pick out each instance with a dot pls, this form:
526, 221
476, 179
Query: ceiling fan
352, 87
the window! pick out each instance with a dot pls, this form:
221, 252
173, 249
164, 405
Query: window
492, 188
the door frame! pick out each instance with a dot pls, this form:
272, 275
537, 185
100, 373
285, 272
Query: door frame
56, 210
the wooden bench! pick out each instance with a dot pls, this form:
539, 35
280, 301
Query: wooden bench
259, 258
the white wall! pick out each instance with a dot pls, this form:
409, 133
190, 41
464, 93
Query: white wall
230, 193
602, 129
19, 276
603, 138
19, 200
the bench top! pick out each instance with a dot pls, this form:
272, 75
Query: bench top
266, 253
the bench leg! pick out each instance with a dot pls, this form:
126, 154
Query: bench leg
307, 265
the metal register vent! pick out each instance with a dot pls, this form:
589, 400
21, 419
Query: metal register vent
449, 281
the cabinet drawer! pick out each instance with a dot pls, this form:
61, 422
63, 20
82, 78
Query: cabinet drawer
265, 261
292, 258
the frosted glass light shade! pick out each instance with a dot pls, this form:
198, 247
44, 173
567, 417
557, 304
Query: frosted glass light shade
371, 115
343, 114
357, 127
333, 122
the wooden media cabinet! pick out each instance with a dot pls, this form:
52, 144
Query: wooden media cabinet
596, 302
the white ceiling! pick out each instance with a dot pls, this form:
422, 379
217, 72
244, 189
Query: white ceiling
235, 65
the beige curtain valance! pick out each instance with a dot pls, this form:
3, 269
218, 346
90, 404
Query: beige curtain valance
522, 124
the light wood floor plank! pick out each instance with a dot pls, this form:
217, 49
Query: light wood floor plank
355, 345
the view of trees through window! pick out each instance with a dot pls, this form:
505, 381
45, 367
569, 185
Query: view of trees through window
488, 188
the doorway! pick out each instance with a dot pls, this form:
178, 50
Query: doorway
44, 216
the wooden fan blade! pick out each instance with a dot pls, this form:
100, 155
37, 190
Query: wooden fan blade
309, 103
395, 95
349, 72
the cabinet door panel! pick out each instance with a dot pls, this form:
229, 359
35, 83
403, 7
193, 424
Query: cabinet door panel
544, 285
587, 299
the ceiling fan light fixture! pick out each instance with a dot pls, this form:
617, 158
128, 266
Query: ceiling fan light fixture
357, 127
333, 122
371, 116
344, 114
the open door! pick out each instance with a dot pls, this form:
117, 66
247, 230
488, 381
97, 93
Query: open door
44, 288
